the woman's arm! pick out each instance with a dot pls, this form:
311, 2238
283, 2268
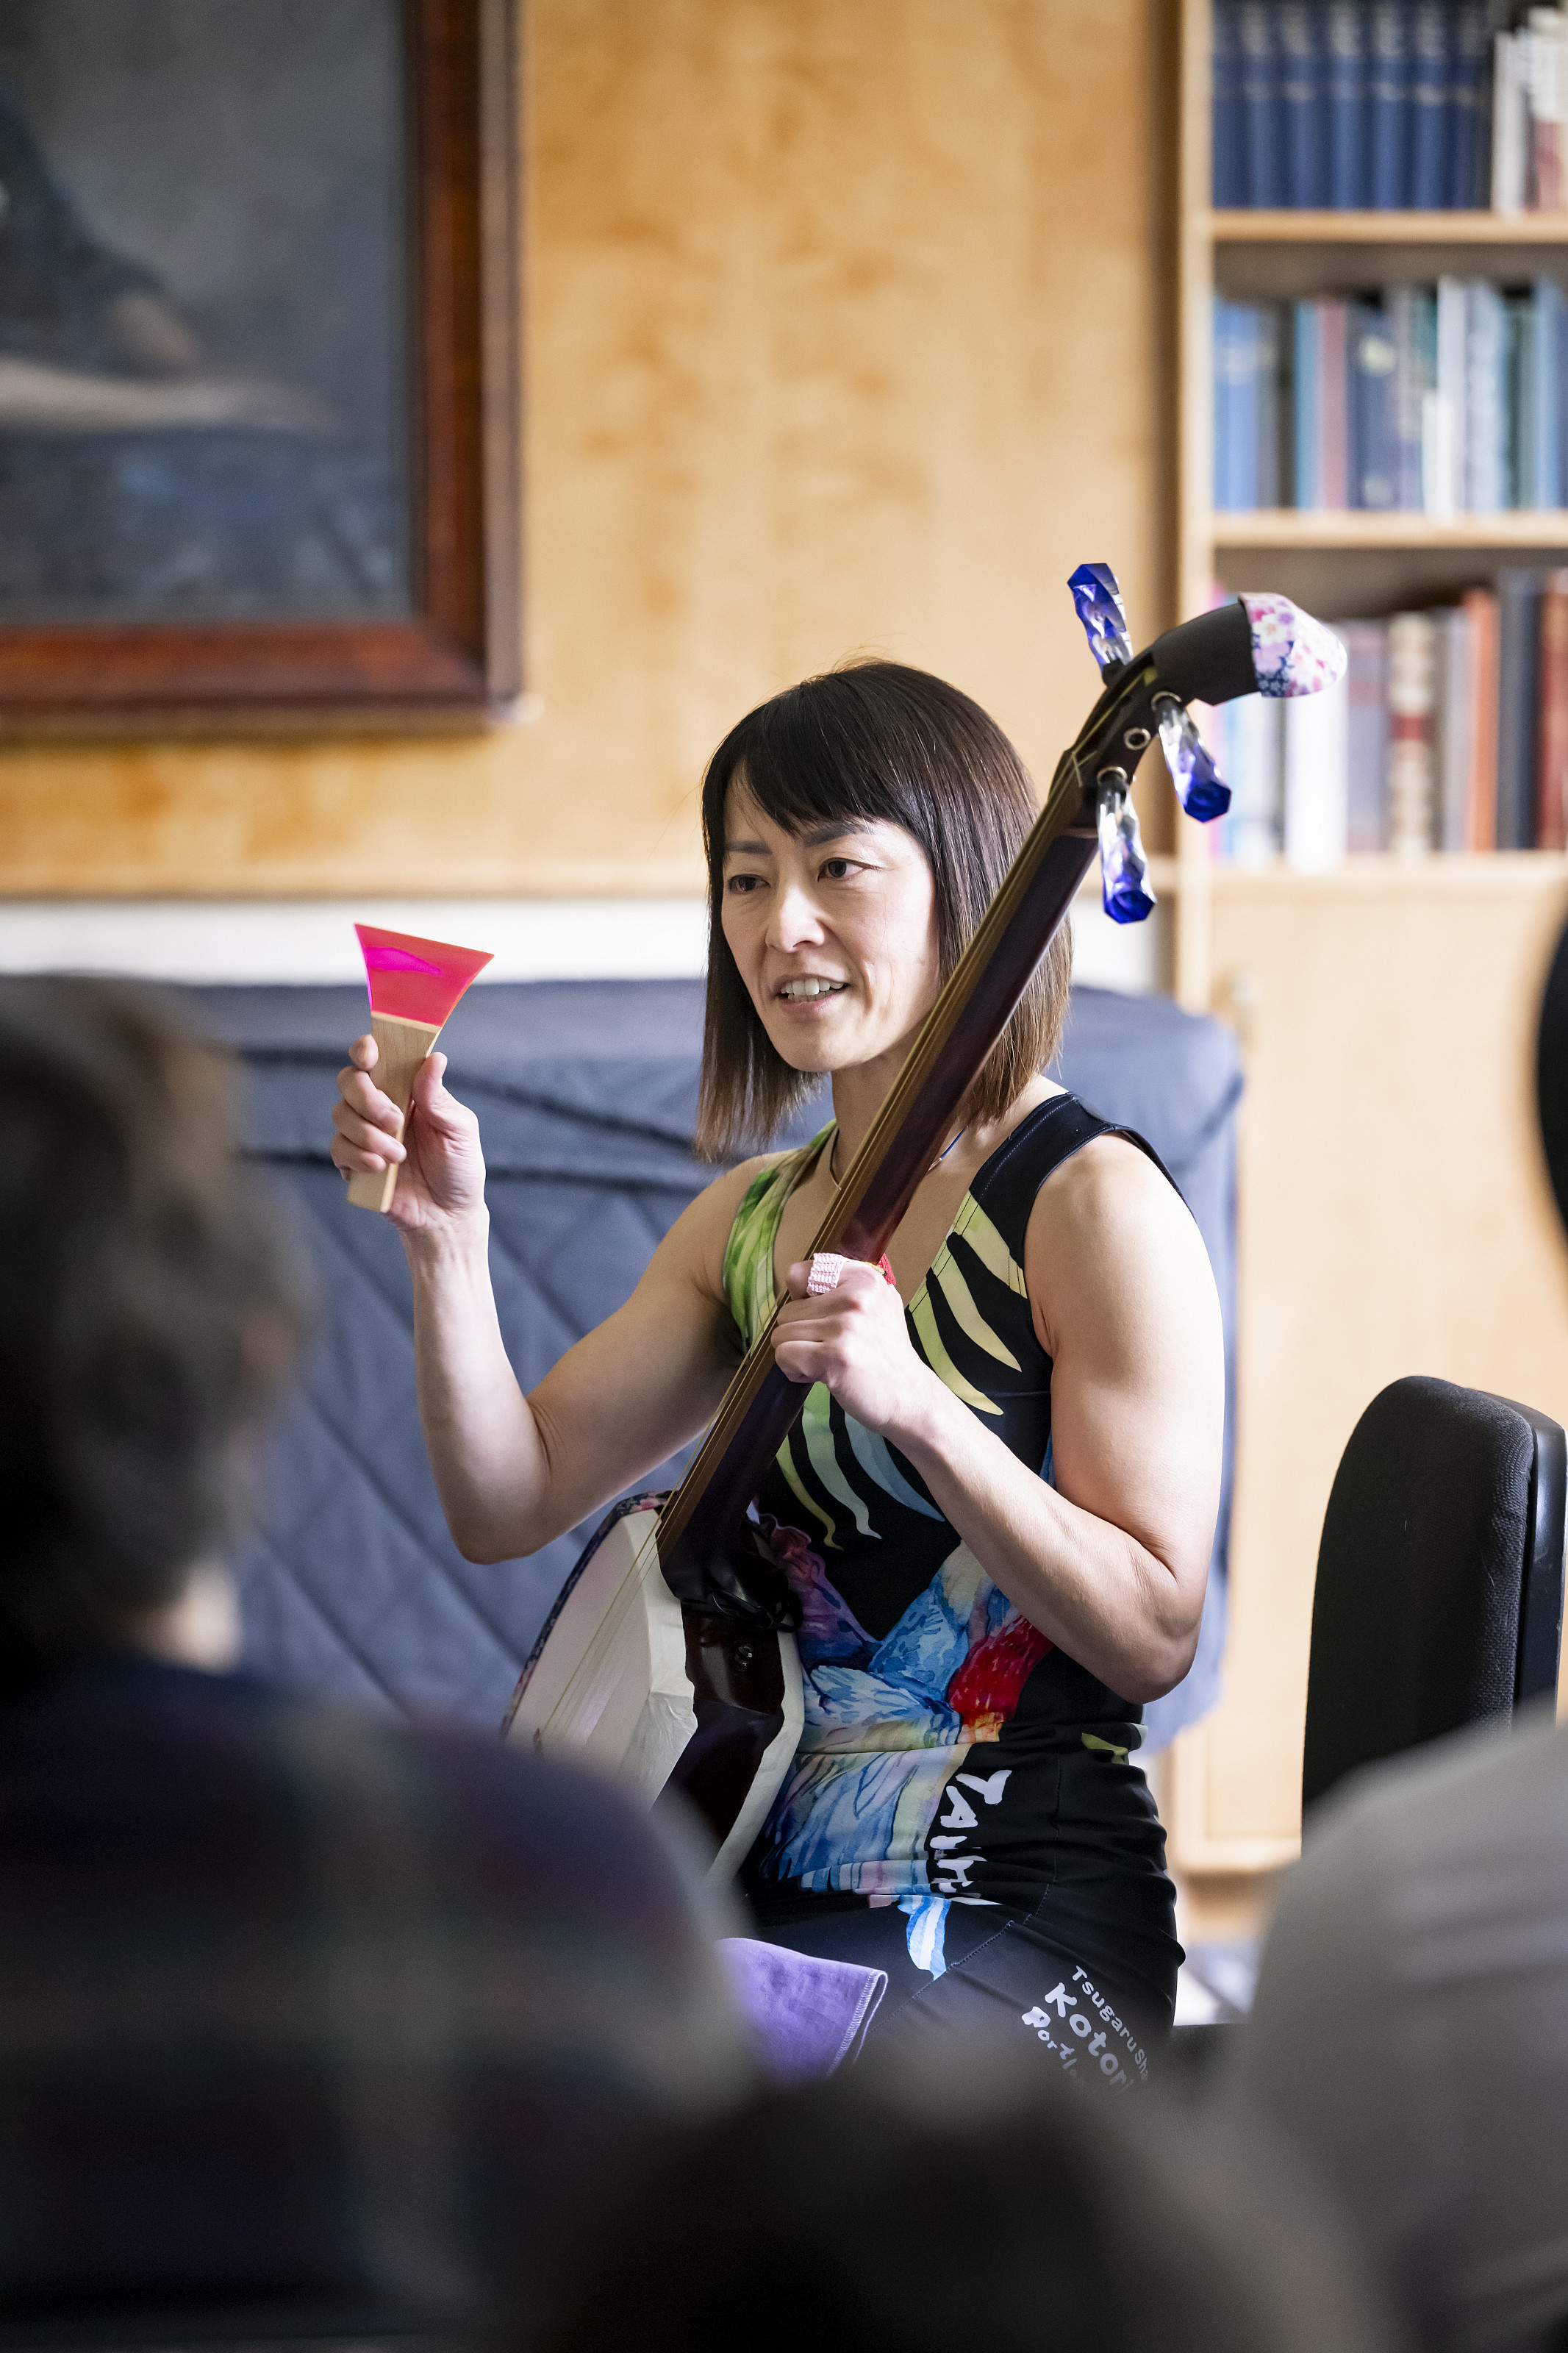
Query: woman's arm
1111, 1564
512, 1472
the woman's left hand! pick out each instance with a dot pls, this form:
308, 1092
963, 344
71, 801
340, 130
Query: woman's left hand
855, 1338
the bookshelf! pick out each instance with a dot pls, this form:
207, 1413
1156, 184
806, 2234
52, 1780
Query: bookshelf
1281, 254
1377, 1236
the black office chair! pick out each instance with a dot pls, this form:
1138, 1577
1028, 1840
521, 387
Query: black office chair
1438, 1600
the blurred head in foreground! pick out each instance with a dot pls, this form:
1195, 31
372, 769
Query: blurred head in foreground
148, 1305
301, 2011
904, 2216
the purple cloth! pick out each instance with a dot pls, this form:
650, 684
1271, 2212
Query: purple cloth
807, 2016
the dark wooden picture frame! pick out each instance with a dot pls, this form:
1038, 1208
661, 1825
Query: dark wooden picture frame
455, 660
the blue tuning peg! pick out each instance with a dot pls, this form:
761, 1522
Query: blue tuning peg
1123, 867
1197, 780
1102, 613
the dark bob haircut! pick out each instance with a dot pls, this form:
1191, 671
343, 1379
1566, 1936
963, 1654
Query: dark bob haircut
873, 741
149, 1300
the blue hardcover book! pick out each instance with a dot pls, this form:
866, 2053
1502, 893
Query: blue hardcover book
1219, 328
1249, 361
1269, 488
1389, 85
1427, 34
1426, 377
1366, 688
1307, 423
1486, 397
1303, 93
1229, 135
1469, 57
1518, 443
1350, 184
1546, 348
1260, 105
1373, 366
1235, 406
1411, 333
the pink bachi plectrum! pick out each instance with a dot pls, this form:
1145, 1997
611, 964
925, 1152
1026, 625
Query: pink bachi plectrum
417, 980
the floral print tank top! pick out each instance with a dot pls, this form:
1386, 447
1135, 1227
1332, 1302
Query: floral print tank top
936, 1715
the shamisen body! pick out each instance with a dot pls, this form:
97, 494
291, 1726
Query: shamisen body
998, 1507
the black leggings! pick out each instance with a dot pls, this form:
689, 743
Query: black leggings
1085, 1980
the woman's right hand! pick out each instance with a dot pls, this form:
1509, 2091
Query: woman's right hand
440, 1166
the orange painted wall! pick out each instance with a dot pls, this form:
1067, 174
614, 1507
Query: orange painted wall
846, 331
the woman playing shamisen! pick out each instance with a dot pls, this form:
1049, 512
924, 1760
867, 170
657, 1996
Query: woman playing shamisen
998, 1505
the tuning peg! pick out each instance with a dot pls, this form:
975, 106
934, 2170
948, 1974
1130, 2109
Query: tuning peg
1197, 780
1123, 867
1103, 614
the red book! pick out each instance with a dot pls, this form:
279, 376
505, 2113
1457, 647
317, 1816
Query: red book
1481, 831
1551, 763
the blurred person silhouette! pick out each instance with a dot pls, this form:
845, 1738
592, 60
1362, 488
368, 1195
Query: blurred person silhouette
64, 295
298, 2011
91, 341
138, 470
1410, 2027
918, 2213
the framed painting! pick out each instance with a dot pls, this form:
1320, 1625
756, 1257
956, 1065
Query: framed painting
260, 400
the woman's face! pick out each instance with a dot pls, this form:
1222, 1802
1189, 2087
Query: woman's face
833, 931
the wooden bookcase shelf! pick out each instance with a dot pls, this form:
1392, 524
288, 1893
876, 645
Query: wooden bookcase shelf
1356, 528
1393, 1215
1383, 228
1498, 875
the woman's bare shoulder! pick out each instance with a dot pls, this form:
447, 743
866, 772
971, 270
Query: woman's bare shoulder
729, 1188
745, 1173
701, 1234
721, 1197
1107, 1227
1109, 1175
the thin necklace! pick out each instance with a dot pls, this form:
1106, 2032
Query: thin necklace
833, 1156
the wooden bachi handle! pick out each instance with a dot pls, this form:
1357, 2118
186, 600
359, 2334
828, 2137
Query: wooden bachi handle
400, 1048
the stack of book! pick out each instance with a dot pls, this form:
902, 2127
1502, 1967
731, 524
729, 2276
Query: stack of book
1445, 399
1448, 732
1528, 114
1356, 104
